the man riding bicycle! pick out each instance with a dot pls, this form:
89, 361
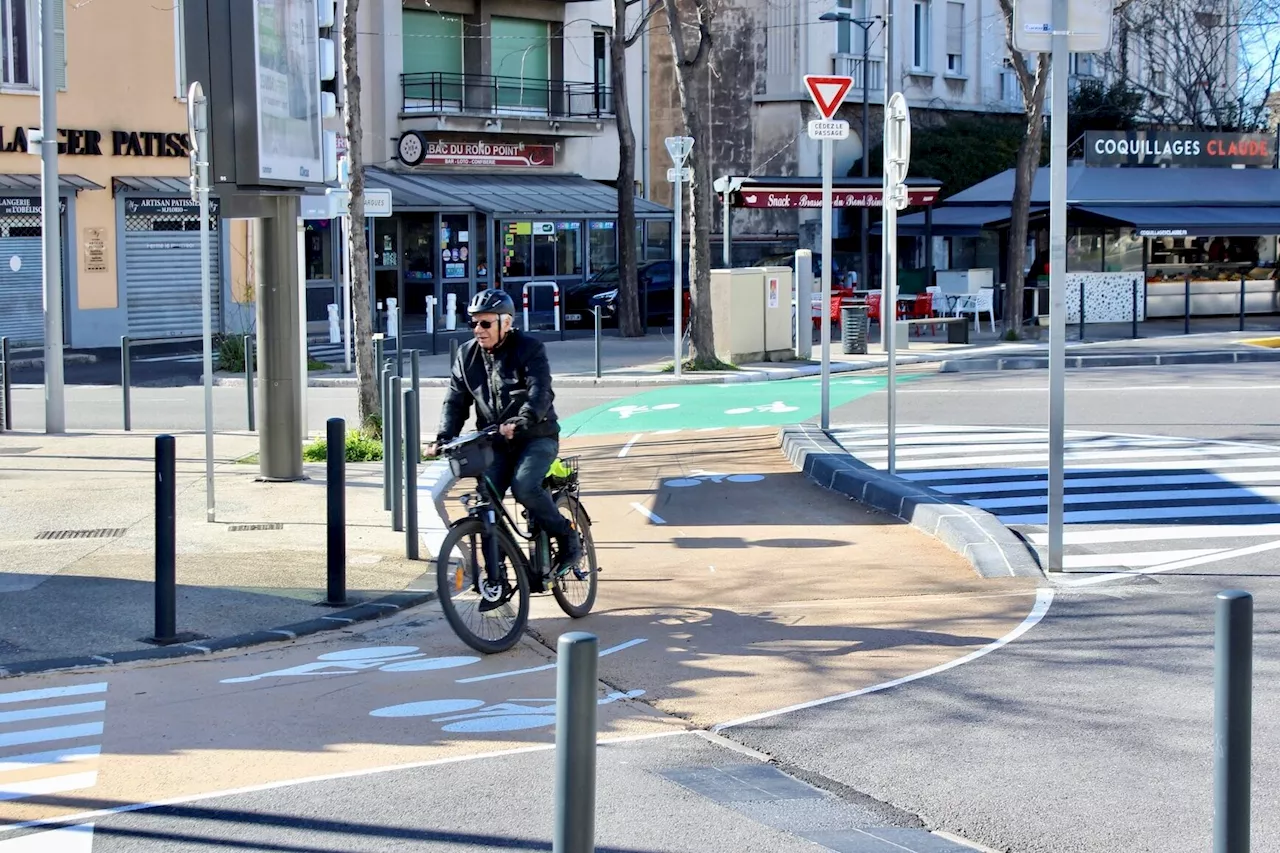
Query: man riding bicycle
505, 373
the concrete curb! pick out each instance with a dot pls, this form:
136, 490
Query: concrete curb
978, 364
363, 612
991, 548
68, 358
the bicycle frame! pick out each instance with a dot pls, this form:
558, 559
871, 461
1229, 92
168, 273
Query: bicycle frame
483, 509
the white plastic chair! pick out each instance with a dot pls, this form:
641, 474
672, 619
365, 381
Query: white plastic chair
976, 304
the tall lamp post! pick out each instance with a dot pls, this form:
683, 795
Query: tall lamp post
843, 14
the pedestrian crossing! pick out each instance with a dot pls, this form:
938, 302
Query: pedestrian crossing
1130, 501
50, 740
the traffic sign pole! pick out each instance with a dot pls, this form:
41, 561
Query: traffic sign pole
1057, 284
827, 93
678, 147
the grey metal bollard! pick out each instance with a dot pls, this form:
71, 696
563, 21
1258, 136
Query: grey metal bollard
1186, 305
415, 370
248, 379
125, 363
453, 351
379, 360
1082, 310
412, 440
1134, 330
397, 455
166, 541
1232, 720
399, 341
577, 655
596, 313
1242, 291
385, 385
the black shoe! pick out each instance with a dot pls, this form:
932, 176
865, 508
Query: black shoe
568, 553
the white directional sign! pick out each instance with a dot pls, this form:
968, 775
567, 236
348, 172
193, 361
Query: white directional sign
684, 174
1088, 26
828, 129
679, 147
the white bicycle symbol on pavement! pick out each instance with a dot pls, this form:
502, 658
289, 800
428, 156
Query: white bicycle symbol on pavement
625, 412
697, 478
473, 716
777, 407
348, 661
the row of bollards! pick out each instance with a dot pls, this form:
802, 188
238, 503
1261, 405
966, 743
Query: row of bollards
401, 441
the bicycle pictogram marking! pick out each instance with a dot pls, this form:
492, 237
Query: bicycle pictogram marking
697, 478
776, 407
473, 716
625, 412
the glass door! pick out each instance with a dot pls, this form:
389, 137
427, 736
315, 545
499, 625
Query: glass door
456, 261
420, 275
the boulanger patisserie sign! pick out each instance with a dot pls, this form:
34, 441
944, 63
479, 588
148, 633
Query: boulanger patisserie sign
1177, 148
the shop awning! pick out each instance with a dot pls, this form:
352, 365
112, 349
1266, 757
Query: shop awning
31, 183
1096, 185
1180, 221
149, 184
499, 195
954, 221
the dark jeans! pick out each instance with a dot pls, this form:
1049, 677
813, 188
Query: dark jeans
522, 467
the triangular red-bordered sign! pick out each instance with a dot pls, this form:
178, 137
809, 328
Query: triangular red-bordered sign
827, 92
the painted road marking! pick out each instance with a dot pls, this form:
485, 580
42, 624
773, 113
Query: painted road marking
648, 513
77, 762
1148, 489
626, 448
543, 668
697, 478
1044, 598
69, 839
725, 406
52, 693
473, 716
349, 661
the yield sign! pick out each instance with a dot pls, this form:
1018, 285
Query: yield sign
827, 92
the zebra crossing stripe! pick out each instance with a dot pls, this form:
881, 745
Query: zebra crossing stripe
70, 767
1156, 534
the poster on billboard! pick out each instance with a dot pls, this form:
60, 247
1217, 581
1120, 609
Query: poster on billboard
290, 132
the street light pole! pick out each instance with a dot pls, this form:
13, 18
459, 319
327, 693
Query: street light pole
51, 226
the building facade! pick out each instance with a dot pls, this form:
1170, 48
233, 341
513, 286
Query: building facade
950, 58
492, 123
130, 241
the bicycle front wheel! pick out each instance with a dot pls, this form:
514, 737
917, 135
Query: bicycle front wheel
489, 620
575, 591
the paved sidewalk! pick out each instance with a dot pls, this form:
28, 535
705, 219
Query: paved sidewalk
77, 562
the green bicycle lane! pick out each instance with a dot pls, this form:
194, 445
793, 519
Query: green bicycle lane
742, 404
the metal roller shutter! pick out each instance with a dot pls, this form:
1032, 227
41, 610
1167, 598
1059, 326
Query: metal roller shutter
22, 279
162, 268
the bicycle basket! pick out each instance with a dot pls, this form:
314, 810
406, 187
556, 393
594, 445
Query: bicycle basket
472, 459
563, 471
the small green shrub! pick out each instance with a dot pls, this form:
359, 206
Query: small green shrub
231, 353
361, 447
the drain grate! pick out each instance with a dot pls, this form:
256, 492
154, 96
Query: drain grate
266, 525
100, 533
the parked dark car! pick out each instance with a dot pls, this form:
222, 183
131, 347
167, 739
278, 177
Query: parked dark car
576, 298
656, 289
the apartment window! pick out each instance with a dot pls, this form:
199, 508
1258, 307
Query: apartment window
521, 59
1082, 65
920, 35
955, 38
431, 52
19, 35
849, 35
1157, 79
600, 37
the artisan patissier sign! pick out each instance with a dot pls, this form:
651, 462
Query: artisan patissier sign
789, 197
1177, 148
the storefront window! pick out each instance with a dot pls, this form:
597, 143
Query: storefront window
517, 259
544, 252
658, 247
569, 248
386, 252
419, 249
480, 246
1084, 250
318, 240
455, 245
1122, 250
603, 245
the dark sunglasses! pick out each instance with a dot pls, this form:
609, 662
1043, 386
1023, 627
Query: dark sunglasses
484, 324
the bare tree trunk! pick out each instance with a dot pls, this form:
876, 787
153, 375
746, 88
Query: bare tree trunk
1024, 178
629, 324
366, 370
689, 76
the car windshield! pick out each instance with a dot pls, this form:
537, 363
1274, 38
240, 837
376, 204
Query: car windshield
605, 276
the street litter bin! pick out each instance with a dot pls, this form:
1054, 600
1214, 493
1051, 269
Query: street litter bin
855, 327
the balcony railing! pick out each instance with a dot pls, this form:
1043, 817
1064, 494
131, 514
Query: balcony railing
436, 92
850, 65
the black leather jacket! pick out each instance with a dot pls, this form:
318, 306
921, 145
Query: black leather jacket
521, 376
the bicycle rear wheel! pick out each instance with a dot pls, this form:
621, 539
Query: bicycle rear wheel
575, 591
487, 623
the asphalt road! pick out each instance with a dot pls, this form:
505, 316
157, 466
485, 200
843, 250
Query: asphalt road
1089, 733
